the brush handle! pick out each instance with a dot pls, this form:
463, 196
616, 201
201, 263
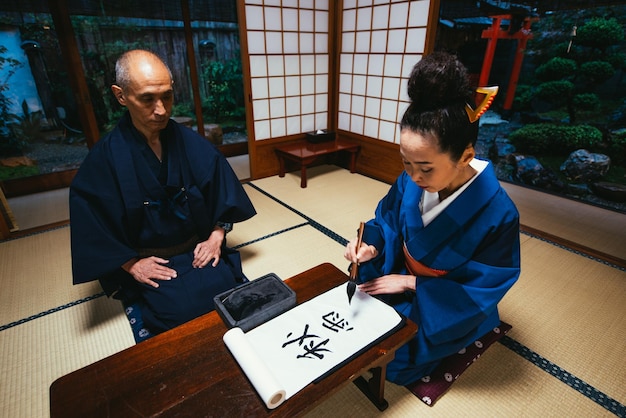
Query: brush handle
359, 241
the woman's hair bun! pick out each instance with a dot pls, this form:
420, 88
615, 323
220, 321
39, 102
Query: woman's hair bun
438, 80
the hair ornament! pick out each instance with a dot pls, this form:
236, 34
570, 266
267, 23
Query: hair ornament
489, 95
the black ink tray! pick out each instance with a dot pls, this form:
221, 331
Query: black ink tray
254, 302
317, 137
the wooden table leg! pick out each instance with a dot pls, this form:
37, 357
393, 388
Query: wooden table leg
353, 161
303, 176
281, 163
374, 388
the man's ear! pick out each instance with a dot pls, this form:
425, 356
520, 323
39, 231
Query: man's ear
119, 94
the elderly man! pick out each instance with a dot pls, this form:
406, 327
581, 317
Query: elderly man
152, 203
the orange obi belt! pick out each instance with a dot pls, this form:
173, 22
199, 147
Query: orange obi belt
418, 269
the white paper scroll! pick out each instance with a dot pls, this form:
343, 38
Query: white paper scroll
283, 355
259, 375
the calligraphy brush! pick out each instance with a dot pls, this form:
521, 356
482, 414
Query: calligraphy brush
354, 267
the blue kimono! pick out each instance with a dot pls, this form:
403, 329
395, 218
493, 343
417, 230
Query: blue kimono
125, 203
472, 250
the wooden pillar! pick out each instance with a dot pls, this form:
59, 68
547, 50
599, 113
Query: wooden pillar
76, 74
193, 69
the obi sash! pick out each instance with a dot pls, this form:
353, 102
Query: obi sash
419, 269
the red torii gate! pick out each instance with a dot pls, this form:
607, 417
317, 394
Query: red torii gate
492, 35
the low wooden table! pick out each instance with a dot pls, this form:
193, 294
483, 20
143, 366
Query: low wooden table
305, 153
188, 371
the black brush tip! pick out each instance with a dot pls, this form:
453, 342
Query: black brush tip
351, 290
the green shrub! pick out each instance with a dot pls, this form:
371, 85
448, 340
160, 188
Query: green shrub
597, 71
523, 97
555, 91
599, 32
587, 101
616, 148
548, 138
556, 69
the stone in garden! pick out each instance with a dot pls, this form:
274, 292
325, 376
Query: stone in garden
583, 166
610, 191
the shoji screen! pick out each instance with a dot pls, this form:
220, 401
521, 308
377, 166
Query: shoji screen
289, 64
381, 40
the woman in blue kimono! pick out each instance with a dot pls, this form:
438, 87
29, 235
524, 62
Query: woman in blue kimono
151, 204
443, 248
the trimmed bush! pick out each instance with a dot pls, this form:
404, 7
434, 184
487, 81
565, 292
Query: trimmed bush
555, 91
587, 101
556, 69
597, 71
549, 138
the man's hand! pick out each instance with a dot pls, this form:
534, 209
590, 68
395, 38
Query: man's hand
146, 270
208, 250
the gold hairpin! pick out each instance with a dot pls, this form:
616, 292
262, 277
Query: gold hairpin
490, 94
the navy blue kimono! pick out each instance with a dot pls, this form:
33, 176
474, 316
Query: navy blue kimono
471, 252
123, 200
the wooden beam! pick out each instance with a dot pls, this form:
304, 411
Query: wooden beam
193, 69
76, 74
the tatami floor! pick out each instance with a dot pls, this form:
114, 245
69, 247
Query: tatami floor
564, 356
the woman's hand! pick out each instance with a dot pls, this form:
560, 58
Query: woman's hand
208, 250
364, 253
389, 284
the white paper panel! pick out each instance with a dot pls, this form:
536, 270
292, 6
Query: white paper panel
293, 125
381, 17
321, 103
371, 127
277, 109
273, 19
292, 86
308, 104
278, 127
293, 106
254, 18
308, 123
261, 109
343, 121
372, 107
396, 40
290, 19
308, 84
419, 13
356, 124
277, 86
259, 88
256, 42
399, 15
374, 86
321, 83
379, 41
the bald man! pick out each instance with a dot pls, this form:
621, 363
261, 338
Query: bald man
151, 205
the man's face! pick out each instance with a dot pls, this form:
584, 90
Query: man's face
149, 97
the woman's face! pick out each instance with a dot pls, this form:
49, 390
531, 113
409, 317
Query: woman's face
429, 168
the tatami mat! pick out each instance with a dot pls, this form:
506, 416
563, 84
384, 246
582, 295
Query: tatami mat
333, 196
570, 309
499, 384
567, 309
36, 274
36, 353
